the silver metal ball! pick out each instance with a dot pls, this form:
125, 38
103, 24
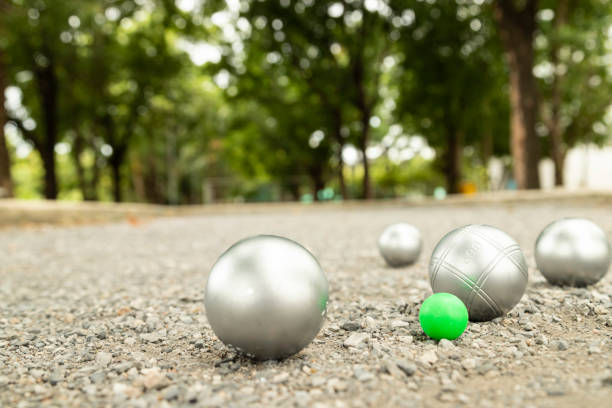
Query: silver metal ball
481, 265
400, 244
266, 297
573, 251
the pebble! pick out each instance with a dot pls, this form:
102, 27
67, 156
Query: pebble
391, 367
468, 364
429, 357
356, 339
408, 368
56, 377
561, 345
280, 378
446, 345
172, 393
103, 358
350, 326
98, 377
363, 375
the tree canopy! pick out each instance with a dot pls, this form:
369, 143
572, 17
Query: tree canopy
192, 101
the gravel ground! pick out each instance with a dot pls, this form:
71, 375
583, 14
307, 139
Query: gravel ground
113, 315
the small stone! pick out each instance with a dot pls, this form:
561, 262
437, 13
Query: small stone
461, 397
100, 333
152, 378
317, 381
363, 375
428, 358
56, 377
445, 344
561, 345
406, 339
97, 377
529, 326
123, 391
555, 392
350, 326
356, 339
122, 367
337, 385
369, 323
594, 350
391, 367
280, 378
399, 323
302, 398
103, 358
86, 356
172, 393
468, 364
408, 368
151, 337
37, 373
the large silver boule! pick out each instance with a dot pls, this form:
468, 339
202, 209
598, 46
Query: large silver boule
573, 251
400, 244
482, 266
266, 296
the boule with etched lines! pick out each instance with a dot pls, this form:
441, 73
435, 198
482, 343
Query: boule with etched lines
482, 266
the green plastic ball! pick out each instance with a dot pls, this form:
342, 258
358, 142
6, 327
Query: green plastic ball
443, 316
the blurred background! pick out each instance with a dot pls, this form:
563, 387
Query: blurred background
204, 101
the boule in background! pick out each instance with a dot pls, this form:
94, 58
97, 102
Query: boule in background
573, 252
266, 297
400, 244
482, 266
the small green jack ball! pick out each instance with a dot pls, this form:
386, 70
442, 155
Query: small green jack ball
443, 316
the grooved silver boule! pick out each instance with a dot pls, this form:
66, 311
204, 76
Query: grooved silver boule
266, 296
482, 266
400, 244
573, 251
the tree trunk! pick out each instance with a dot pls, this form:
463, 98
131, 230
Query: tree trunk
317, 182
337, 130
517, 27
363, 146
116, 161
362, 105
116, 174
6, 182
88, 189
556, 134
292, 189
47, 87
452, 160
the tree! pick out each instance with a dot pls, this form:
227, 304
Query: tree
517, 25
574, 84
336, 49
452, 83
6, 183
33, 47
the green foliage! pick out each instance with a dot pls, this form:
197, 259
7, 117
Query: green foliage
293, 84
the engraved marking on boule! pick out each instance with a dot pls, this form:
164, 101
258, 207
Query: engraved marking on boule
465, 279
499, 247
490, 268
472, 250
433, 275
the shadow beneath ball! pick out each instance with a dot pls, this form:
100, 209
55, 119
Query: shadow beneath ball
399, 265
239, 359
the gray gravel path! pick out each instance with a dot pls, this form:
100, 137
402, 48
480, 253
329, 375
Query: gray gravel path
113, 315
